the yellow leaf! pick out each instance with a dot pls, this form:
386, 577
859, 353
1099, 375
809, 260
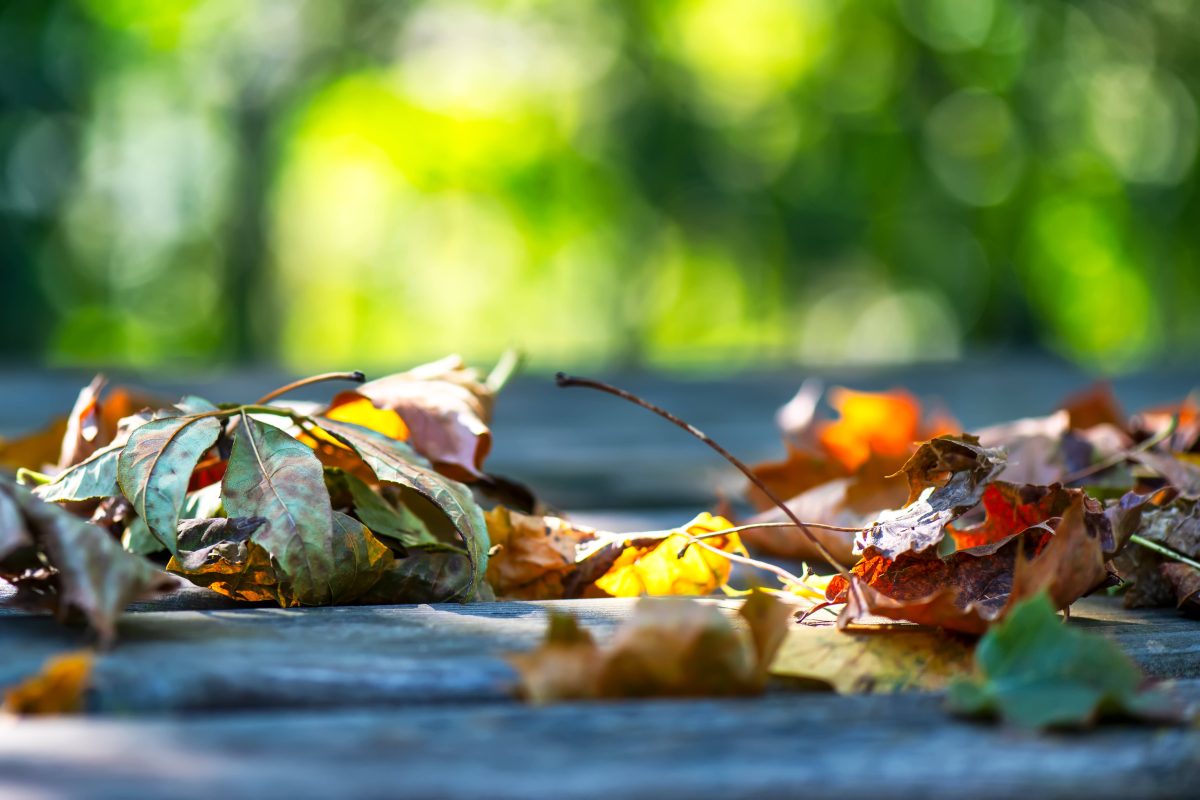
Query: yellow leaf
658, 569
57, 689
359, 410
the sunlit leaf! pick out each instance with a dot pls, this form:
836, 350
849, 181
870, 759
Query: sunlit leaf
395, 462
658, 568
155, 467
273, 476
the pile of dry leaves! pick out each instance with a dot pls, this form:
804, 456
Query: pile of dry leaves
382, 496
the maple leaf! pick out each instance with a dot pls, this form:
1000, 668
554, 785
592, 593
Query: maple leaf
1036, 672
881, 426
669, 647
60, 687
972, 588
838, 472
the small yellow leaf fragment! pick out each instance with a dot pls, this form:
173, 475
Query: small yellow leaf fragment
661, 570
57, 689
360, 410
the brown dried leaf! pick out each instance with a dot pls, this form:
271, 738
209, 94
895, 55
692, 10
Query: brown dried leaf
531, 555
669, 647
445, 407
1185, 580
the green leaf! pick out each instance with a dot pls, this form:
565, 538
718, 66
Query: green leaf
273, 476
156, 464
394, 462
1036, 672
395, 522
95, 476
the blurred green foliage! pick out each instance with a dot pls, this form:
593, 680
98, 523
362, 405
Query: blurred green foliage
677, 182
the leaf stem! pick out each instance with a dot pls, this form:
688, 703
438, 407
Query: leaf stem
510, 364
356, 376
1163, 550
565, 381
778, 571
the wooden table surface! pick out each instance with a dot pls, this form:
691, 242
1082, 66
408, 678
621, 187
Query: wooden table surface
205, 698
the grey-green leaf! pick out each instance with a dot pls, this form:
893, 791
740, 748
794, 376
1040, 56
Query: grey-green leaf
273, 476
393, 521
156, 464
95, 476
396, 462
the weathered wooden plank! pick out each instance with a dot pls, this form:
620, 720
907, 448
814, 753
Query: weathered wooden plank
788, 746
211, 656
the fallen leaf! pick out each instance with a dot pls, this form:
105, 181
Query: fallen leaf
947, 476
531, 555
900, 658
1185, 580
218, 554
972, 588
1035, 672
445, 408
275, 477
425, 576
669, 647
671, 565
155, 466
394, 462
90, 573
1182, 475
59, 688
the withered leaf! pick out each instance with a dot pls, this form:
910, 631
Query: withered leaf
391, 520
155, 467
360, 560
273, 476
92, 574
669, 647
94, 477
424, 576
893, 660
218, 554
672, 565
445, 406
1185, 580
947, 476
1184, 476
394, 462
531, 555
972, 588
60, 687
